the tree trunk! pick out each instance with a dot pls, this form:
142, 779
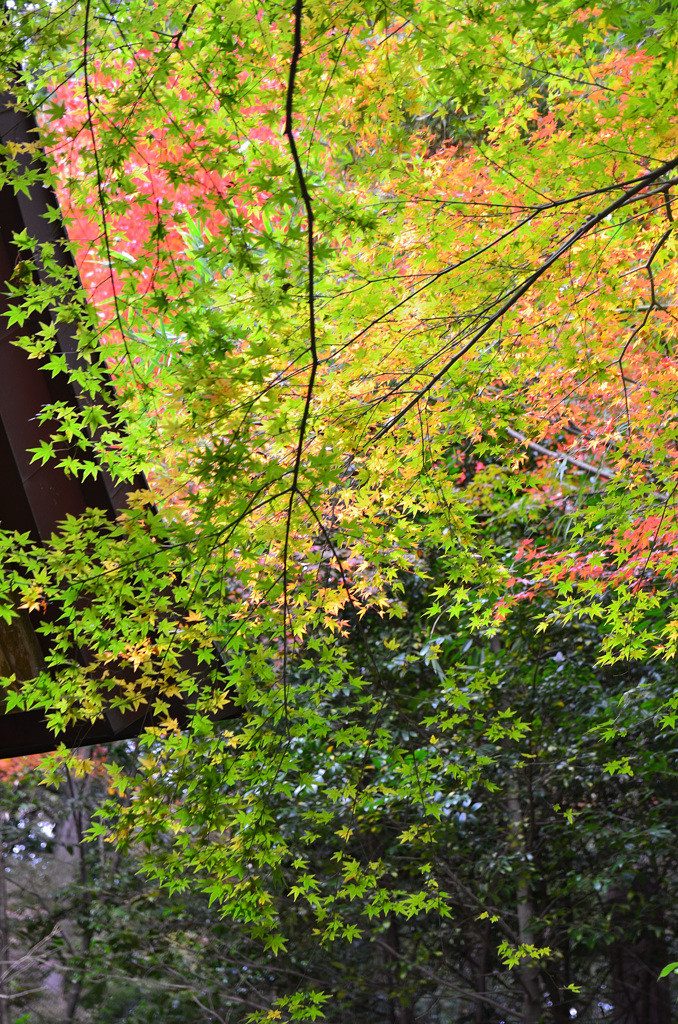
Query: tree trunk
638, 956
638, 997
70, 864
480, 1015
400, 1011
529, 972
4, 933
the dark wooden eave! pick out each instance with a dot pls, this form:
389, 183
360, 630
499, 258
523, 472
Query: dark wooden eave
35, 498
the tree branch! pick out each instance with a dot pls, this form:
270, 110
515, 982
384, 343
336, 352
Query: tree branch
553, 454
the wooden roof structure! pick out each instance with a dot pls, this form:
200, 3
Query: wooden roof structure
35, 498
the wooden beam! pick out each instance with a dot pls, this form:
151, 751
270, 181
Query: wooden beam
36, 498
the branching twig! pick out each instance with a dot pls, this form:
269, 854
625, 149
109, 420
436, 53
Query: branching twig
303, 425
652, 306
542, 450
176, 39
522, 289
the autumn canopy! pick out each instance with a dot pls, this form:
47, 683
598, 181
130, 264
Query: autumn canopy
381, 301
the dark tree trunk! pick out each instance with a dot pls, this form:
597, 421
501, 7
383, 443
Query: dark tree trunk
400, 1010
4, 933
639, 954
481, 974
639, 998
528, 971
